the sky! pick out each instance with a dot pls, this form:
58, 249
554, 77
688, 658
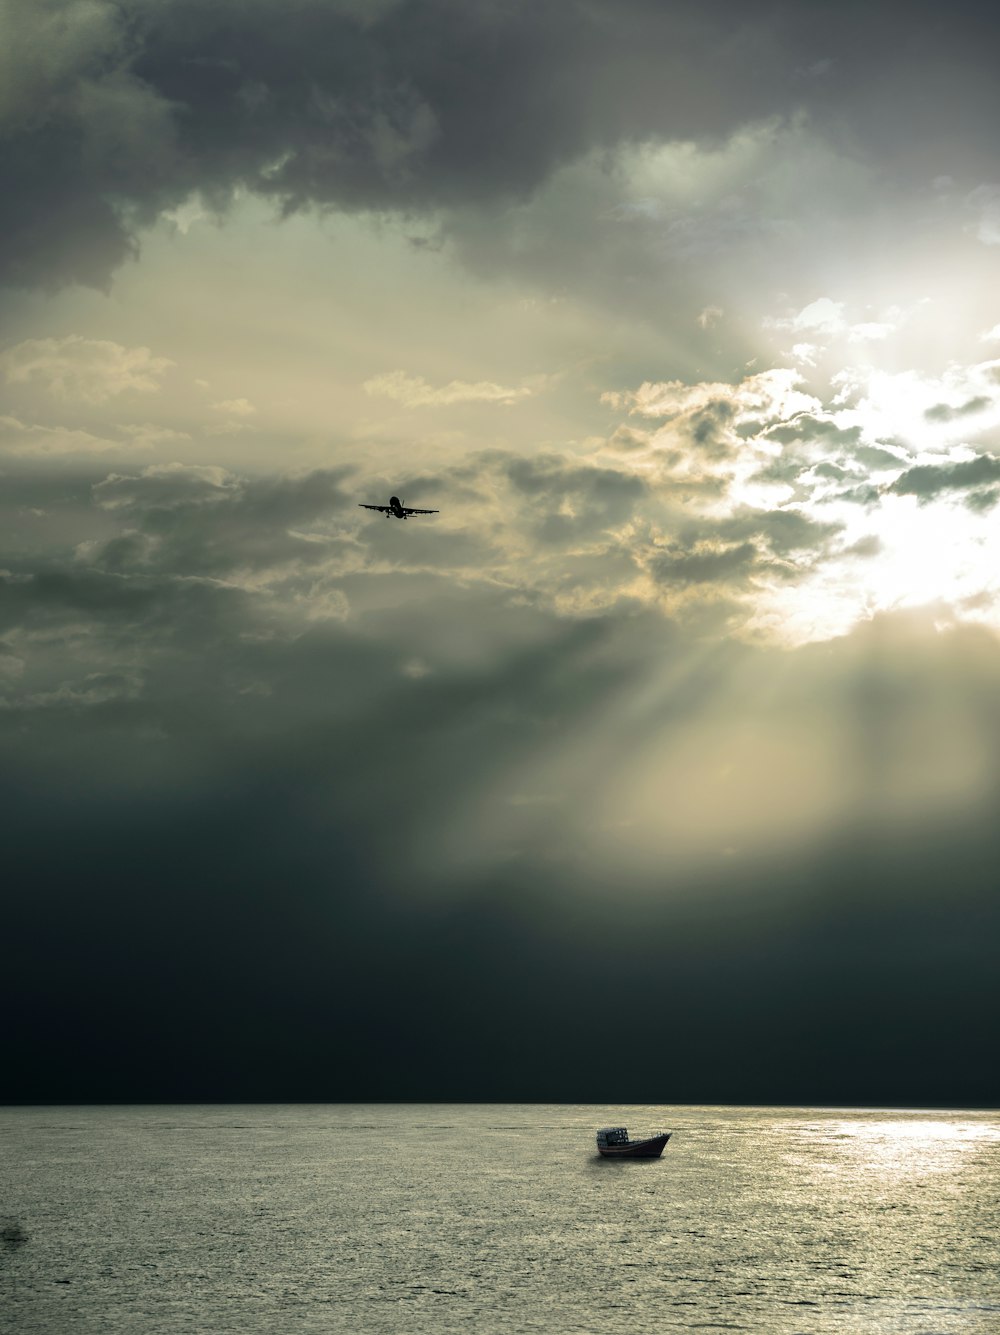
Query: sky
663, 763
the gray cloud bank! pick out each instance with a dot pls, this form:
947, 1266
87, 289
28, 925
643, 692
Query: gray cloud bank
977, 477
330, 811
112, 113
303, 803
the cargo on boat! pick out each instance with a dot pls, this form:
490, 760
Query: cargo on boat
613, 1143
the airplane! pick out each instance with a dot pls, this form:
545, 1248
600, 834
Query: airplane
397, 509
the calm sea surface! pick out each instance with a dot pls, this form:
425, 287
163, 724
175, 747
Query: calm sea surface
428, 1218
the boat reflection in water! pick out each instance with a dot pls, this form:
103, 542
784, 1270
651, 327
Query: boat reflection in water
613, 1143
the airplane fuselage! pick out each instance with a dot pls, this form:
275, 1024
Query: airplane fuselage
396, 509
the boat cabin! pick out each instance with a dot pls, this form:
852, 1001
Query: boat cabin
612, 1135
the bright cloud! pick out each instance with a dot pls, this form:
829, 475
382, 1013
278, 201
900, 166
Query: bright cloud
235, 407
166, 486
415, 392
828, 320
924, 411
813, 511
774, 393
822, 316
984, 202
85, 369
23, 440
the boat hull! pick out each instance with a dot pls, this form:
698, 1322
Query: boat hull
636, 1149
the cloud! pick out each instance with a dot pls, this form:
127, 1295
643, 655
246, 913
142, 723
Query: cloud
117, 113
235, 415
822, 316
732, 553
151, 436
762, 497
568, 531
828, 318
946, 412
984, 201
235, 407
21, 439
47, 46
60, 598
84, 369
96, 688
626, 439
166, 486
570, 504
206, 522
344, 756
703, 781
243, 675
706, 565
766, 394
415, 392
926, 411
784, 531
806, 426
927, 481
871, 331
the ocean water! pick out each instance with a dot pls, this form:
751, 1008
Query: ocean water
436, 1218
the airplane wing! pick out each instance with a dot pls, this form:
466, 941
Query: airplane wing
384, 508
409, 510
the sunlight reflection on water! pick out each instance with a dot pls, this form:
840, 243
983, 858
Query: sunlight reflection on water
891, 1146
430, 1219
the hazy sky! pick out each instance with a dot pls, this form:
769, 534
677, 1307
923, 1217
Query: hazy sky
664, 762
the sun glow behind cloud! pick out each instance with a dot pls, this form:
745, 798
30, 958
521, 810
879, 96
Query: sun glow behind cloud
920, 555
698, 761
791, 512
889, 473
646, 388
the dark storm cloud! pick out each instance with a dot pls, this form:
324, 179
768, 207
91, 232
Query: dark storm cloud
730, 552
830, 471
192, 520
866, 547
865, 494
165, 574
231, 830
785, 531
802, 436
728, 565
56, 598
981, 501
926, 481
709, 429
185, 570
877, 459
945, 412
601, 498
805, 427
245, 900
785, 469
114, 112
626, 439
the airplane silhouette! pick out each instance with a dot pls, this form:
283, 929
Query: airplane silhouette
397, 509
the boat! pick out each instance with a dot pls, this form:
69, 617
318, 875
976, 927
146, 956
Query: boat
613, 1143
